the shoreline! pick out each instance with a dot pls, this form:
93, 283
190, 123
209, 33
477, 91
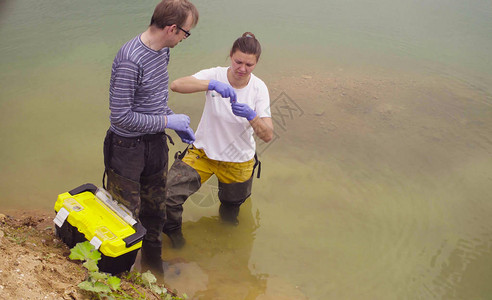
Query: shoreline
35, 262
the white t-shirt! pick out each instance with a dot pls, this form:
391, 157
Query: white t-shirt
222, 135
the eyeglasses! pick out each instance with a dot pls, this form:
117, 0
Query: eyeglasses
187, 33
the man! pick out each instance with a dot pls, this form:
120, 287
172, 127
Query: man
135, 147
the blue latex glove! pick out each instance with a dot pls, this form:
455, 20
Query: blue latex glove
178, 122
243, 110
224, 89
187, 136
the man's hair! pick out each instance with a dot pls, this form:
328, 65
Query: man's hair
248, 44
169, 12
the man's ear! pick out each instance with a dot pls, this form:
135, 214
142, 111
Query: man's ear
171, 29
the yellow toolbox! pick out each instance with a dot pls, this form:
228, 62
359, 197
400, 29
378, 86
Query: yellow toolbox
89, 213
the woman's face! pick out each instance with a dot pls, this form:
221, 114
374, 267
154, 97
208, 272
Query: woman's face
242, 64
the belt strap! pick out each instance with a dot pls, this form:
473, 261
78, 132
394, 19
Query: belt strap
180, 154
257, 164
170, 138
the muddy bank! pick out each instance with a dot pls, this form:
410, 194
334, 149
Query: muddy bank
35, 263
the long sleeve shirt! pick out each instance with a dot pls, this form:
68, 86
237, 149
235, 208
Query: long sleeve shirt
138, 92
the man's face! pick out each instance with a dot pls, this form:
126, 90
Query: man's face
180, 34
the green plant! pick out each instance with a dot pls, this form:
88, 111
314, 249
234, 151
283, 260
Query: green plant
105, 286
149, 281
101, 284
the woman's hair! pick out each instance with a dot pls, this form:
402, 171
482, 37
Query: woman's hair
169, 12
248, 44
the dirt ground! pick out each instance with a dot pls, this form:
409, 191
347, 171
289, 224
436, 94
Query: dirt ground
35, 263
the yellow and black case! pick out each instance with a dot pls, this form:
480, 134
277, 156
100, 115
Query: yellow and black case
89, 213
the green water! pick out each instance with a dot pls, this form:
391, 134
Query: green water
377, 185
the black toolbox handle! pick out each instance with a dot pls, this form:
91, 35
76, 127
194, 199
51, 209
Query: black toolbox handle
88, 187
137, 236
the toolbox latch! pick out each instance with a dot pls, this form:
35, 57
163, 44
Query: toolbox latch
137, 236
61, 216
96, 242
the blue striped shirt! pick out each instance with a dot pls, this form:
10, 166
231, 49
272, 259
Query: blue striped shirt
138, 90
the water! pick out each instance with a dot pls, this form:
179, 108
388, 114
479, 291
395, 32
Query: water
377, 184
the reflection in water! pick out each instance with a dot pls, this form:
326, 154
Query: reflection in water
186, 277
222, 252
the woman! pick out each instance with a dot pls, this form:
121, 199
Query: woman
224, 143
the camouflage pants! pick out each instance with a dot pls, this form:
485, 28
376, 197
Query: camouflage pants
136, 177
191, 169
